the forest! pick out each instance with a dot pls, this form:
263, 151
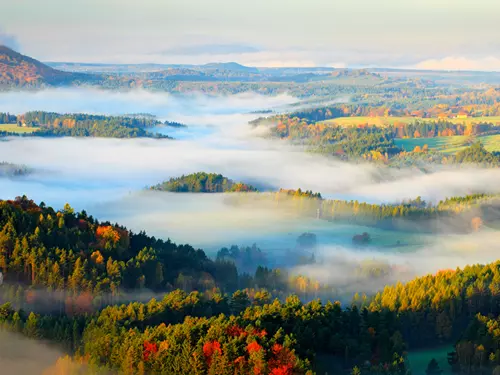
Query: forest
464, 213
359, 230
202, 182
50, 124
378, 144
220, 326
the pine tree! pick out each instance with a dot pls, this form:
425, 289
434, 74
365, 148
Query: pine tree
433, 368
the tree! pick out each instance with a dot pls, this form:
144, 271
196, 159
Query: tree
68, 210
433, 368
75, 281
239, 302
31, 327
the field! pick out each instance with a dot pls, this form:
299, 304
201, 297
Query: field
491, 142
382, 121
442, 144
13, 128
450, 145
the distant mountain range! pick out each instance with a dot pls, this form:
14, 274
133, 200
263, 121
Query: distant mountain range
206, 68
17, 70
20, 71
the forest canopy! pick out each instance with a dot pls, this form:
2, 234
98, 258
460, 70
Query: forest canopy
203, 182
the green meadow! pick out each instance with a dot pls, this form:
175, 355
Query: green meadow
450, 145
13, 128
382, 121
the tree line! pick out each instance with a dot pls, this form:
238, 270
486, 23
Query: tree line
202, 182
219, 327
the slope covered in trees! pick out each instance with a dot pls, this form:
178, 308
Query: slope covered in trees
19, 70
202, 182
79, 261
185, 333
377, 144
460, 214
65, 250
52, 124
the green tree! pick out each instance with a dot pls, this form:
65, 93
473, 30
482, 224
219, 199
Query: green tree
433, 368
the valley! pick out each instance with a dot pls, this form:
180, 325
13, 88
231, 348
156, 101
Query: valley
265, 211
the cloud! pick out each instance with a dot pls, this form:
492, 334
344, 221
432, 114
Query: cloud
227, 147
103, 176
435, 186
193, 108
106, 176
128, 30
210, 49
490, 63
22, 356
368, 270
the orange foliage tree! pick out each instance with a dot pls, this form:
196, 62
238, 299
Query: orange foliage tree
209, 349
150, 348
107, 236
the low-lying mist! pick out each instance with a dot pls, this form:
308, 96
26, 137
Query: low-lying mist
105, 164
192, 109
368, 270
23, 356
107, 177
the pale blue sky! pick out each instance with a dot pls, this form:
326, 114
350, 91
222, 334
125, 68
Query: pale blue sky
453, 33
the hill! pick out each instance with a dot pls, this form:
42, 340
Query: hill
20, 70
202, 182
106, 257
231, 66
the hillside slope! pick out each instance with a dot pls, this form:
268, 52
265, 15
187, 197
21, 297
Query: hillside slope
20, 70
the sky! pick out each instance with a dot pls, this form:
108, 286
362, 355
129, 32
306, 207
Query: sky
430, 34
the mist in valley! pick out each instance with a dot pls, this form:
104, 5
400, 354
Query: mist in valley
20, 355
109, 179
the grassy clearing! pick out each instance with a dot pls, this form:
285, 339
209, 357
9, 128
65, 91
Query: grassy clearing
379, 121
450, 145
476, 120
491, 142
382, 121
13, 128
442, 144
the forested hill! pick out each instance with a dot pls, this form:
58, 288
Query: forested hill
47, 124
202, 182
184, 333
20, 70
455, 214
216, 332
42, 247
